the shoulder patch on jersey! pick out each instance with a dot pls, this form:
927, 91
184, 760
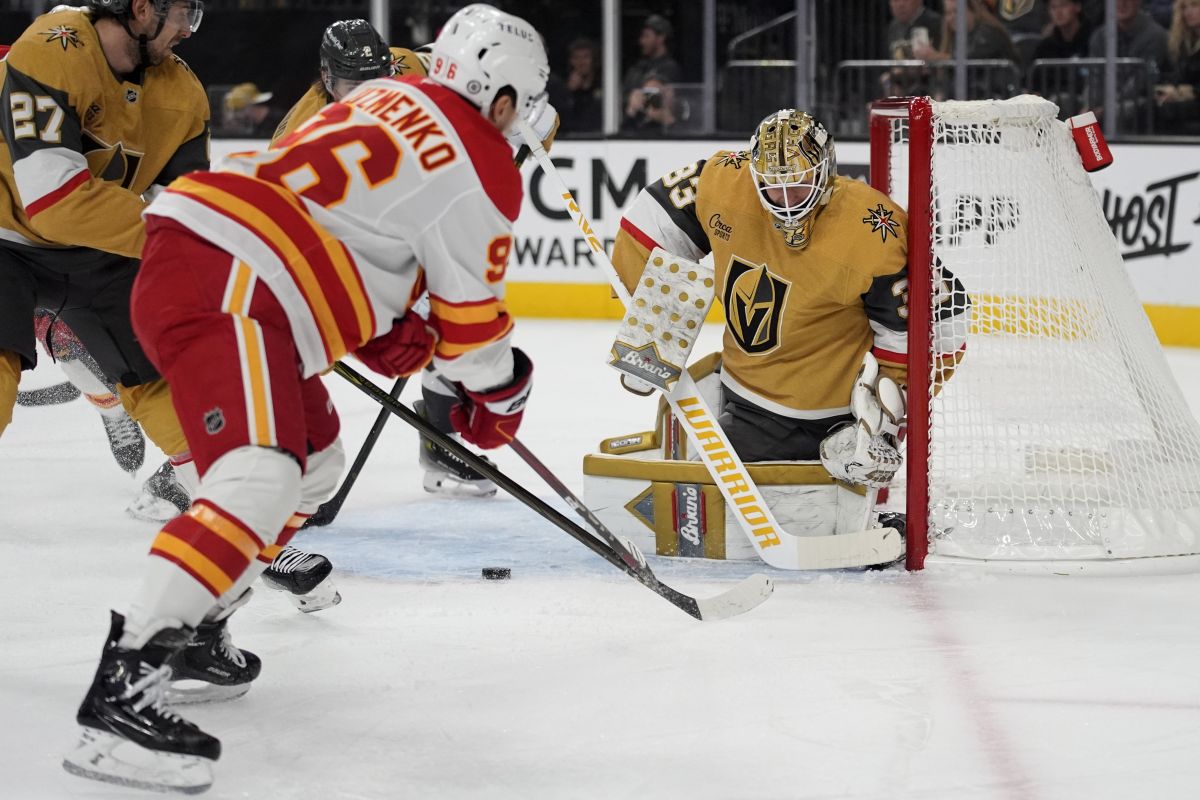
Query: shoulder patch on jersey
881, 221
734, 159
65, 35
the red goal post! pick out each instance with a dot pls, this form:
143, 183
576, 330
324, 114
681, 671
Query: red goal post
1061, 441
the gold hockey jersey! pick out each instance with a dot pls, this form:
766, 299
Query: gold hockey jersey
798, 318
404, 62
81, 146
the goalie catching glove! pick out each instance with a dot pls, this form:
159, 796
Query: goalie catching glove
490, 419
865, 451
404, 350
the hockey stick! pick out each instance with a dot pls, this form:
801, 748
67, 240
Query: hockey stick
626, 549
52, 395
330, 508
771, 542
741, 598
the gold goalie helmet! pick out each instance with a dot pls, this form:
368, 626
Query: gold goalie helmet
793, 163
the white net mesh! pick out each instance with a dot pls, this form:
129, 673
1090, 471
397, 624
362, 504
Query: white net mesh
1062, 434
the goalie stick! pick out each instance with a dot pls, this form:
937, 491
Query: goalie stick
748, 594
328, 510
771, 542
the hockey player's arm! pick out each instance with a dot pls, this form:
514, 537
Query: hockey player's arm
191, 156
63, 202
465, 267
663, 215
465, 255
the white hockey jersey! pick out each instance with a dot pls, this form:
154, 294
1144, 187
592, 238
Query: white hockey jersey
401, 187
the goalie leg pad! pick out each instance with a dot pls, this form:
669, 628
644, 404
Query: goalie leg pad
674, 508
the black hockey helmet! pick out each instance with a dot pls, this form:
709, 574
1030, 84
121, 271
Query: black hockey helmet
121, 10
353, 50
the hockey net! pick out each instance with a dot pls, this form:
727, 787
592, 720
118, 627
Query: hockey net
1061, 440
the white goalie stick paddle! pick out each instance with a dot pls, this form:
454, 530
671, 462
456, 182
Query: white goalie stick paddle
748, 594
771, 542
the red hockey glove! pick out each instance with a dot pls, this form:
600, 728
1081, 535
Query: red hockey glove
490, 419
404, 350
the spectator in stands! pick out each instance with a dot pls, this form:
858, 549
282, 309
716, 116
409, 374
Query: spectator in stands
658, 110
578, 98
1161, 11
986, 37
1178, 105
1138, 36
655, 61
912, 21
247, 113
1070, 33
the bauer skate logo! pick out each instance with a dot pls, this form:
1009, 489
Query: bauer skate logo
880, 220
644, 362
65, 35
754, 302
214, 421
689, 519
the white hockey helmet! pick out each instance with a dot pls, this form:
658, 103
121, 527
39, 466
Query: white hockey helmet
481, 50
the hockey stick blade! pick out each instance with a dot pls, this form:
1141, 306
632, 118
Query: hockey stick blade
53, 395
738, 600
328, 510
750, 593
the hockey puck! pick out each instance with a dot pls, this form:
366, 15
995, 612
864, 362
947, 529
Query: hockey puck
497, 573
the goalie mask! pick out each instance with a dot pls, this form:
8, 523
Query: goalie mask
481, 50
793, 165
352, 51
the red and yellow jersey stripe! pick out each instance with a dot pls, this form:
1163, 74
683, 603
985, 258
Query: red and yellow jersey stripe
466, 326
319, 264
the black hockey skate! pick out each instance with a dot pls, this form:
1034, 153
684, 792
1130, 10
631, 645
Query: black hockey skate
162, 497
446, 473
126, 442
128, 735
212, 668
305, 577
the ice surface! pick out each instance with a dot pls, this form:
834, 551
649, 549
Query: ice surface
570, 680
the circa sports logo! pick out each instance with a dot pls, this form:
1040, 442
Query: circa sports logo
754, 302
880, 219
720, 228
63, 34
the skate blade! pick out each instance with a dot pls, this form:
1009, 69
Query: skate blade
152, 509
447, 486
192, 692
318, 599
102, 756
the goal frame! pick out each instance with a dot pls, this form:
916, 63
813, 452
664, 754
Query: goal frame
919, 113
1178, 548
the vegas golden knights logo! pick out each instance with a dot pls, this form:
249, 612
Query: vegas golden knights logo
754, 301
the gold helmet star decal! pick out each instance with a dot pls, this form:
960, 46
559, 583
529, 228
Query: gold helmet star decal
880, 219
63, 34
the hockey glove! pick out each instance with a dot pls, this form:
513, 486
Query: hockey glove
491, 418
865, 452
404, 350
